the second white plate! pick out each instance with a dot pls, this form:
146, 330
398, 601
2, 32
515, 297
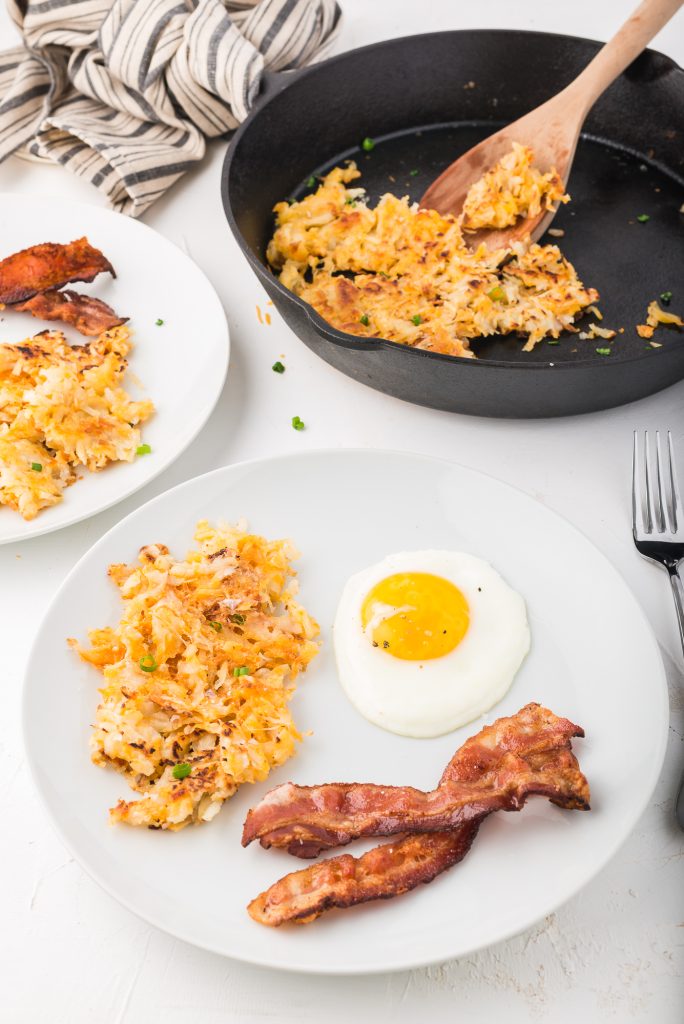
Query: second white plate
180, 364
594, 659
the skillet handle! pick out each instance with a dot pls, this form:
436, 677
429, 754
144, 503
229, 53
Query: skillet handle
273, 82
335, 337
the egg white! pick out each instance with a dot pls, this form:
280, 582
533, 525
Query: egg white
435, 696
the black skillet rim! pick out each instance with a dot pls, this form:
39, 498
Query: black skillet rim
351, 341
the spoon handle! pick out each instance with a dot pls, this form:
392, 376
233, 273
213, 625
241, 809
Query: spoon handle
625, 46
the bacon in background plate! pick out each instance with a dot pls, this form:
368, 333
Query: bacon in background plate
90, 316
535, 735
49, 265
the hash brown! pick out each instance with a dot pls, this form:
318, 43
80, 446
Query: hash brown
407, 275
198, 674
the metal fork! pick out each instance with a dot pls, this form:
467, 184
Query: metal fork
658, 528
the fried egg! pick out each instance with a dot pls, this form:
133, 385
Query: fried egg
426, 641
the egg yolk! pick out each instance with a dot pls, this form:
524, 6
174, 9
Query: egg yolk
415, 616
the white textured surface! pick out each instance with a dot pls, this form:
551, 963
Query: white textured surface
68, 953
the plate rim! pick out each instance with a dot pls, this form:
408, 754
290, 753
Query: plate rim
410, 962
218, 379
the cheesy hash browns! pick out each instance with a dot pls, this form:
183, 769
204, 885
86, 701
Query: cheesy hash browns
198, 674
63, 407
406, 274
513, 188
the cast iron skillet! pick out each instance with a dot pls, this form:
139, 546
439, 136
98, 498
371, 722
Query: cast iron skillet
425, 99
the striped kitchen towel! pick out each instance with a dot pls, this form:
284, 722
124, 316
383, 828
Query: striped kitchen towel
125, 92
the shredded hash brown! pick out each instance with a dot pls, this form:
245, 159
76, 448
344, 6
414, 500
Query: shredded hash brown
63, 407
656, 316
513, 188
407, 275
198, 674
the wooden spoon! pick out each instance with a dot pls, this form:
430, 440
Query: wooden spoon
551, 130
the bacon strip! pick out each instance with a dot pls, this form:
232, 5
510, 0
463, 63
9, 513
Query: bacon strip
345, 881
87, 314
305, 820
49, 265
394, 868
536, 734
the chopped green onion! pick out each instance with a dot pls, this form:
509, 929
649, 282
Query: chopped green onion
364, 320
412, 174
238, 619
603, 351
36, 467
159, 322
278, 367
367, 145
148, 663
552, 341
217, 626
417, 319
143, 449
181, 771
350, 201
241, 671
666, 298
297, 423
497, 294
310, 182
643, 217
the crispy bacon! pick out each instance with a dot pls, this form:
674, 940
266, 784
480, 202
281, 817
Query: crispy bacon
534, 734
344, 881
49, 265
395, 868
305, 820
87, 314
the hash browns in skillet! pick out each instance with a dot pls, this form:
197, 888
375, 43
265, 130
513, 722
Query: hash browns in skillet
406, 274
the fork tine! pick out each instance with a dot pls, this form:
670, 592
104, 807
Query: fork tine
666, 517
653, 523
637, 496
676, 497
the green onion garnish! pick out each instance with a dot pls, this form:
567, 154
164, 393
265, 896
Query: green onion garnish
367, 145
497, 294
241, 671
364, 320
412, 174
417, 319
148, 663
217, 626
666, 298
603, 351
143, 449
238, 619
553, 342
181, 771
350, 201
36, 467
159, 322
310, 182
297, 423
643, 217
278, 367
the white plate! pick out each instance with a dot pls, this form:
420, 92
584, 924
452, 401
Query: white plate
593, 659
181, 365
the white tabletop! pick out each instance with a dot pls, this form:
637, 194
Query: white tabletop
68, 952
